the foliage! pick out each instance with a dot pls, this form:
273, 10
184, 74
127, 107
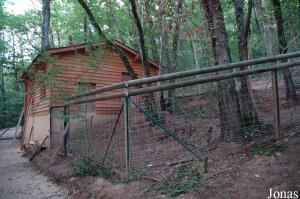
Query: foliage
89, 166
20, 34
265, 149
183, 180
11, 109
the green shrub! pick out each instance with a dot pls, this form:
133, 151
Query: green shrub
89, 166
184, 180
265, 149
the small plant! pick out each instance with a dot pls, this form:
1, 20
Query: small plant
256, 150
265, 149
89, 166
274, 149
129, 179
184, 180
209, 135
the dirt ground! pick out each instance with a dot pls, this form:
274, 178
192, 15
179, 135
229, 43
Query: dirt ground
237, 176
232, 175
19, 179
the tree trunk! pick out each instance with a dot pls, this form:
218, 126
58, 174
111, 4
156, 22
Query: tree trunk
175, 50
85, 29
109, 44
15, 68
149, 99
162, 60
195, 57
230, 116
152, 41
291, 95
58, 38
144, 56
248, 108
299, 8
112, 20
2, 86
46, 24
175, 47
265, 28
52, 45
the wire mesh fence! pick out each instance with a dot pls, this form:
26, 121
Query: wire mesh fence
146, 132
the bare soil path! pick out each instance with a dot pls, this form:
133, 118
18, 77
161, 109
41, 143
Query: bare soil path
20, 180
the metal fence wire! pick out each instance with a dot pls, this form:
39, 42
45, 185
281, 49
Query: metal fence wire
186, 117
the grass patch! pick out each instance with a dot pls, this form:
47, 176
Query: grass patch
183, 180
265, 149
89, 166
129, 179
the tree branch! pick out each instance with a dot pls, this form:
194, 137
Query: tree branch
108, 43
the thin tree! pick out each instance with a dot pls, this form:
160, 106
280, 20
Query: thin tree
46, 24
108, 43
175, 51
150, 23
14, 65
299, 8
175, 47
2, 86
143, 52
249, 111
230, 116
149, 99
283, 48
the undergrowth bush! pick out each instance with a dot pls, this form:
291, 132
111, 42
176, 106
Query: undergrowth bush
183, 180
89, 166
265, 149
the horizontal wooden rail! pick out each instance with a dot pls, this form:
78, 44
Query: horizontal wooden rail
182, 74
186, 83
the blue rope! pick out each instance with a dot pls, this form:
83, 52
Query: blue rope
166, 130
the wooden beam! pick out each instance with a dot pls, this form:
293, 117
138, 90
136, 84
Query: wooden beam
188, 73
195, 81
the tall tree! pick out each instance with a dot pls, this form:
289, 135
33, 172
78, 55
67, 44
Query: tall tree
143, 52
249, 111
283, 48
14, 65
109, 44
299, 8
2, 53
265, 27
2, 86
46, 24
150, 22
175, 50
175, 47
149, 99
230, 116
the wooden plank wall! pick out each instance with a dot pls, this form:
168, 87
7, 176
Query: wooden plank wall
80, 67
40, 105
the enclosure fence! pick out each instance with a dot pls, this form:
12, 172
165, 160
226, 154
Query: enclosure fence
149, 124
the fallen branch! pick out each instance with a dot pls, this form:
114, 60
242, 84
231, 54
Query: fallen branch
180, 162
60, 142
5, 131
39, 149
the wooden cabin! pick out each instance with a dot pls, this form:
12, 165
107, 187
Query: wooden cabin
68, 71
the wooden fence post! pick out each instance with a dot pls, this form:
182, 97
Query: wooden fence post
66, 121
276, 104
